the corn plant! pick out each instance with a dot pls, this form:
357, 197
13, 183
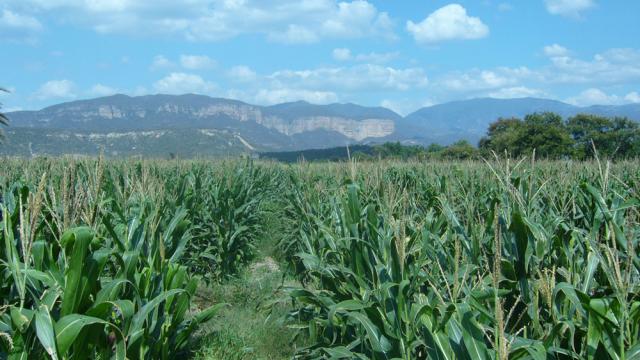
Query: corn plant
227, 211
116, 289
492, 265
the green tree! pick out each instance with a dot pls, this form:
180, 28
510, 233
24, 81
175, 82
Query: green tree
617, 137
545, 133
460, 150
502, 135
434, 148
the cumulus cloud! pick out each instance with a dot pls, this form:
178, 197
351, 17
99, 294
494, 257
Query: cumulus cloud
56, 89
102, 90
197, 62
160, 62
277, 96
18, 27
289, 21
363, 77
517, 92
555, 50
595, 96
611, 66
450, 22
344, 54
182, 83
323, 85
633, 97
476, 80
242, 73
569, 8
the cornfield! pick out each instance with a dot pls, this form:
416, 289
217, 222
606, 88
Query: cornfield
488, 260
500, 259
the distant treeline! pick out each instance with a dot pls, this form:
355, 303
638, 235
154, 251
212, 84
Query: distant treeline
548, 133
389, 150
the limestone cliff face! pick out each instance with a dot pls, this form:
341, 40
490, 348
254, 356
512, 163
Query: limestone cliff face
120, 114
354, 129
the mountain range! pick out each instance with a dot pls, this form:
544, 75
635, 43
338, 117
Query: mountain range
196, 125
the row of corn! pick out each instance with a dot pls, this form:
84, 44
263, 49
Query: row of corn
495, 260
101, 259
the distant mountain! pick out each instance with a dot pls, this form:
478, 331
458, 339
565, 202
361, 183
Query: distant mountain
195, 125
289, 126
469, 119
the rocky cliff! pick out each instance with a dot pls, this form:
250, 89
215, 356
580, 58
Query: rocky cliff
193, 111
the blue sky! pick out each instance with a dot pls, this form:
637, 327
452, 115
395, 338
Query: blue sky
400, 54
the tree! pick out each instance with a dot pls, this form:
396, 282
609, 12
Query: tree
617, 137
503, 135
545, 133
3, 119
548, 135
460, 150
434, 148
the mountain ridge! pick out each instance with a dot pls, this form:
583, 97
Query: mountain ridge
187, 118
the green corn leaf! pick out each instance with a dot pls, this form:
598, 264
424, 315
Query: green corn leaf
45, 331
69, 327
377, 341
77, 241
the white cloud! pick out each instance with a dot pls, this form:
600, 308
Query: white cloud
18, 27
633, 97
56, 89
197, 62
357, 19
363, 77
555, 50
594, 96
295, 34
611, 66
11, 19
570, 8
102, 90
476, 80
450, 22
517, 92
242, 73
277, 96
324, 85
182, 83
160, 62
377, 58
289, 21
620, 67
140, 91
342, 54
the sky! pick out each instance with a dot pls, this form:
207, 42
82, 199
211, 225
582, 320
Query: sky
399, 54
